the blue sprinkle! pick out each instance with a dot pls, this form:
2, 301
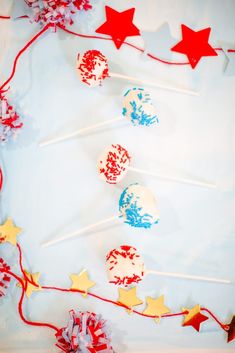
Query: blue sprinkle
134, 215
137, 106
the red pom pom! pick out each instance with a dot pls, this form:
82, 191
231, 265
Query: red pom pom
4, 277
85, 332
56, 11
10, 123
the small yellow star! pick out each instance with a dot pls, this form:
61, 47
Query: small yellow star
9, 232
156, 307
34, 277
128, 297
191, 312
81, 282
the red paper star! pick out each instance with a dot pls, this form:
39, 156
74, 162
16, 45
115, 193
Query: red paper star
194, 44
119, 25
194, 317
231, 330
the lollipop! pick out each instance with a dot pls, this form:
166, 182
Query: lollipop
137, 108
94, 77
114, 164
137, 207
125, 267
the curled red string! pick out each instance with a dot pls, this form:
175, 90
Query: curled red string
126, 43
20, 306
21, 52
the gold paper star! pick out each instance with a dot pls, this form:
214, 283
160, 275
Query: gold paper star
81, 282
9, 232
156, 307
194, 317
34, 277
128, 297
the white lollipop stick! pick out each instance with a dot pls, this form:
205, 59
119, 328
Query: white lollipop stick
153, 84
78, 232
78, 132
179, 275
181, 180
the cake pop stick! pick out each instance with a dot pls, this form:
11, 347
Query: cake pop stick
114, 164
137, 207
137, 108
92, 68
125, 267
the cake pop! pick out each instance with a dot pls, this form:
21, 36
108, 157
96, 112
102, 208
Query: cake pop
137, 108
92, 67
137, 207
114, 164
125, 267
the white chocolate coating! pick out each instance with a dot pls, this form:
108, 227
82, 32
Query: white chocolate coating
113, 164
124, 266
138, 206
92, 67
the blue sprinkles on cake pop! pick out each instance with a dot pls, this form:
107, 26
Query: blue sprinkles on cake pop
138, 207
138, 107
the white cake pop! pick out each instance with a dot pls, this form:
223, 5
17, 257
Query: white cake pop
138, 206
113, 164
124, 266
138, 107
92, 67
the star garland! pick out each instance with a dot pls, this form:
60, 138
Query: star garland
155, 308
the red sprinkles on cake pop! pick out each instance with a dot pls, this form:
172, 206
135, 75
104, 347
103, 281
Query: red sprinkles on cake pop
113, 164
9, 121
4, 278
92, 67
124, 266
56, 11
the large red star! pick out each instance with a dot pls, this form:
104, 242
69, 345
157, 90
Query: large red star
119, 25
194, 44
231, 330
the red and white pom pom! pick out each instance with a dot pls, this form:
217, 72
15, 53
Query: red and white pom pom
10, 123
113, 164
56, 11
92, 67
85, 332
4, 277
124, 266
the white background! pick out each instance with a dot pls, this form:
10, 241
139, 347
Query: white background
54, 190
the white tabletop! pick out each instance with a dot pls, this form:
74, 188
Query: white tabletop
54, 190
